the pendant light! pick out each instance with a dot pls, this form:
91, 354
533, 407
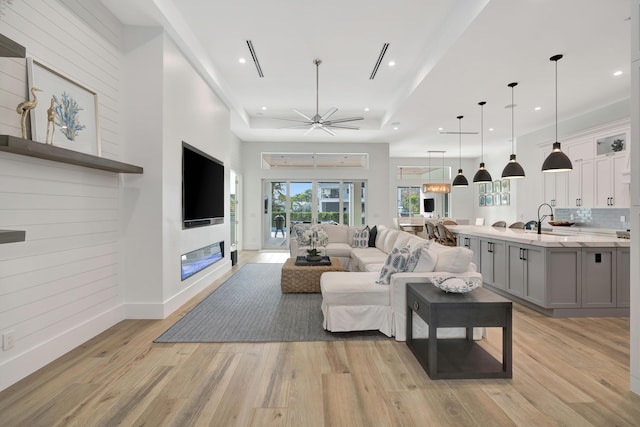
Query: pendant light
556, 161
482, 175
513, 169
460, 180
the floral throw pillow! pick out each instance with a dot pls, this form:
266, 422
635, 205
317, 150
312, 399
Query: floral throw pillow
361, 238
396, 262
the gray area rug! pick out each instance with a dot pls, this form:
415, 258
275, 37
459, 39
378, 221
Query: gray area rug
249, 307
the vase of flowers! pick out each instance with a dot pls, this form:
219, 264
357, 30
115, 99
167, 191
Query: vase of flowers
314, 237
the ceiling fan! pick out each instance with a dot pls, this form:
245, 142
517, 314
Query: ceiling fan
321, 122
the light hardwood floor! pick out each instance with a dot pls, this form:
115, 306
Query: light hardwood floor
566, 372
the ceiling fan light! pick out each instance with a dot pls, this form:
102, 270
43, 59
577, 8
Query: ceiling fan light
460, 180
482, 175
513, 169
557, 161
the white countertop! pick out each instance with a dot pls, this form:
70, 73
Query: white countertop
556, 238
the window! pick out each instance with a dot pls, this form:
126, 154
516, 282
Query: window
408, 201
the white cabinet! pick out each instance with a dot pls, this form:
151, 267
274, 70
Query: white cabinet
581, 181
610, 190
554, 186
472, 243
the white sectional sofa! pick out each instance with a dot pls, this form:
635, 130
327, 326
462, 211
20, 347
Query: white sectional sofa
354, 300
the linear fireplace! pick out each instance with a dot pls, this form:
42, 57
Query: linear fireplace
199, 259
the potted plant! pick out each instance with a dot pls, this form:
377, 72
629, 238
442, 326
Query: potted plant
314, 237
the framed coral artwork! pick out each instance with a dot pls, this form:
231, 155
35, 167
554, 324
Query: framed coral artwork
67, 111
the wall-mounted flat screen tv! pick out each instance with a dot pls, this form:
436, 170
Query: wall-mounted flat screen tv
429, 205
202, 188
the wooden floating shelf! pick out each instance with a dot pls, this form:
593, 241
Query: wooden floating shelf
25, 147
11, 236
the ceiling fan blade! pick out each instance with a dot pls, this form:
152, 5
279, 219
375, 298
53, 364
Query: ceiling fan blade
343, 127
346, 119
328, 114
291, 120
301, 114
327, 130
309, 130
295, 127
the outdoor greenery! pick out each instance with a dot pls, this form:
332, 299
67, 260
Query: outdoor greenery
408, 201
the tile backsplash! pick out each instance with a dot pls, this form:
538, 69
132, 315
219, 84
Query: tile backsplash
596, 218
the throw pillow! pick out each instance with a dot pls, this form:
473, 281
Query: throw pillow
414, 257
454, 260
361, 238
396, 262
427, 259
372, 236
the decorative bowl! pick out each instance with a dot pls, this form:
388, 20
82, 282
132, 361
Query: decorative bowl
561, 223
314, 258
456, 285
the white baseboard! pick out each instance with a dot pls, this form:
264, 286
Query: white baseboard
162, 310
24, 364
635, 384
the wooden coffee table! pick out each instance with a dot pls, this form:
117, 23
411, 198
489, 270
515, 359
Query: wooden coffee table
302, 278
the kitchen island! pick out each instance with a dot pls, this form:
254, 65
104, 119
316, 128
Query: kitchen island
561, 272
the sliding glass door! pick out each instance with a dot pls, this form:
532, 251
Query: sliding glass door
291, 202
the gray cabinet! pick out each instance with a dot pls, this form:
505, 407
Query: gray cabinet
563, 278
623, 277
493, 256
525, 272
472, 243
599, 277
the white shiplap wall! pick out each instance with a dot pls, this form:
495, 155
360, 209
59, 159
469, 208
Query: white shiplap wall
61, 286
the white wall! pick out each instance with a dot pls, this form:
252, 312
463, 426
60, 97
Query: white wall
62, 286
379, 209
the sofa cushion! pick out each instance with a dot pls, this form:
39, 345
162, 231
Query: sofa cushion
337, 233
373, 232
389, 240
361, 238
454, 260
396, 262
382, 235
360, 288
427, 259
338, 250
402, 240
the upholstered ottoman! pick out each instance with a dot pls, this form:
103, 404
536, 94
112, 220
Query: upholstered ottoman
353, 301
294, 278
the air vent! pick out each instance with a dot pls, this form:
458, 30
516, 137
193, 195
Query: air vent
255, 58
379, 61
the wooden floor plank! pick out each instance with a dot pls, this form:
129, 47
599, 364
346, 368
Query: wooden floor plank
565, 372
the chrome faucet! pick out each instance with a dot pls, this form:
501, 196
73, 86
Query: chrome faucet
540, 219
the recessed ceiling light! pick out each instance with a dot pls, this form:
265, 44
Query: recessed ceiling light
538, 108
242, 60
264, 108
617, 73
392, 63
440, 129
396, 128
366, 109
490, 129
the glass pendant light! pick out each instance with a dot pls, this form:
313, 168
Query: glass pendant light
513, 168
482, 175
460, 180
556, 161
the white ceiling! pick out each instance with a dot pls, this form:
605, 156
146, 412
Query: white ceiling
449, 55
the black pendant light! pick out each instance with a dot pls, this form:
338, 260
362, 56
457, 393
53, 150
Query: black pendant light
460, 180
556, 161
513, 168
482, 175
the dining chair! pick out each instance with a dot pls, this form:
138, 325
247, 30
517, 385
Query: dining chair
518, 224
447, 238
499, 224
431, 233
449, 222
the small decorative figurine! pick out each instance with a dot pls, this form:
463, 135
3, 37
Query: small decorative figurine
51, 124
24, 108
